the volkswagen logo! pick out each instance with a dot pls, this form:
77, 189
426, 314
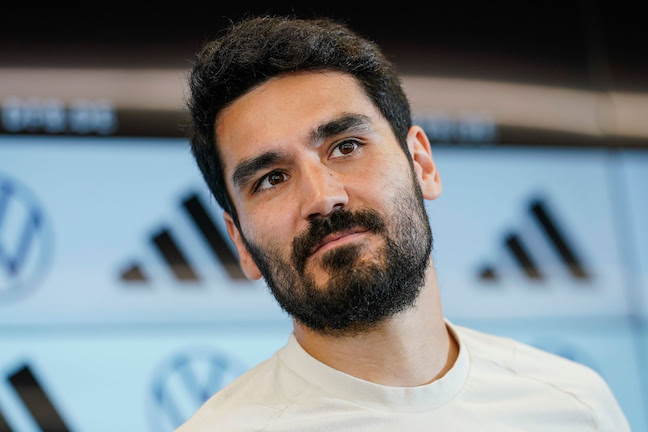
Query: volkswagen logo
25, 240
185, 381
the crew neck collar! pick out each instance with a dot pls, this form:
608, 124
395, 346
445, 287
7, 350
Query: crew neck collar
375, 396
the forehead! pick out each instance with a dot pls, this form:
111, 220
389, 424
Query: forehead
284, 110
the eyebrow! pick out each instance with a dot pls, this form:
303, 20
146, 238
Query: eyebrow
339, 125
248, 168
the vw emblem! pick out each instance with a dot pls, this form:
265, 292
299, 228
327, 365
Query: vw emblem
185, 381
25, 240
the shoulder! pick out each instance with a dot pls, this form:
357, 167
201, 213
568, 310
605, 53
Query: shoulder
250, 402
544, 368
523, 359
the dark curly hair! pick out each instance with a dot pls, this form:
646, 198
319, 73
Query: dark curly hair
256, 49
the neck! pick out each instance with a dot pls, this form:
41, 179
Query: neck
410, 349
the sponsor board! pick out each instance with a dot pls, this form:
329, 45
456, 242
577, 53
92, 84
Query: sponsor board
517, 232
132, 379
527, 233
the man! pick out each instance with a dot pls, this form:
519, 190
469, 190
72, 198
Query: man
304, 136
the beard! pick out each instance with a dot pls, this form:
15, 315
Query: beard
360, 293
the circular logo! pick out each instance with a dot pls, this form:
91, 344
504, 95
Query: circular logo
185, 381
25, 240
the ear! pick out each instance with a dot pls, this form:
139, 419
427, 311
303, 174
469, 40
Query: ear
247, 263
426, 173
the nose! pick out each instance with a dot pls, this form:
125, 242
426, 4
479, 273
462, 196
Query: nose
322, 192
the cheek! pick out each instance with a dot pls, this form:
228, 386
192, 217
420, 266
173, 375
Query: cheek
272, 230
384, 184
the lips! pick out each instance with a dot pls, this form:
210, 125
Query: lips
324, 230
336, 236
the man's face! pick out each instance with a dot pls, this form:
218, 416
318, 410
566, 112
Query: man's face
330, 207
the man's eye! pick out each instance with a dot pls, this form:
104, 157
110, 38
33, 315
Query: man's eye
344, 148
270, 180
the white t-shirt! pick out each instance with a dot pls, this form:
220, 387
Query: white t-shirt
496, 384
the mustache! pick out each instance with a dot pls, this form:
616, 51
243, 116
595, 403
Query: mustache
339, 220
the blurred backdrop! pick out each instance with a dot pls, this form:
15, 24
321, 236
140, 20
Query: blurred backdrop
122, 305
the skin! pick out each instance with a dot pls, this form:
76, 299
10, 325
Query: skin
354, 168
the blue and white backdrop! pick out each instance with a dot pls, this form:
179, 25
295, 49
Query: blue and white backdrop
122, 306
